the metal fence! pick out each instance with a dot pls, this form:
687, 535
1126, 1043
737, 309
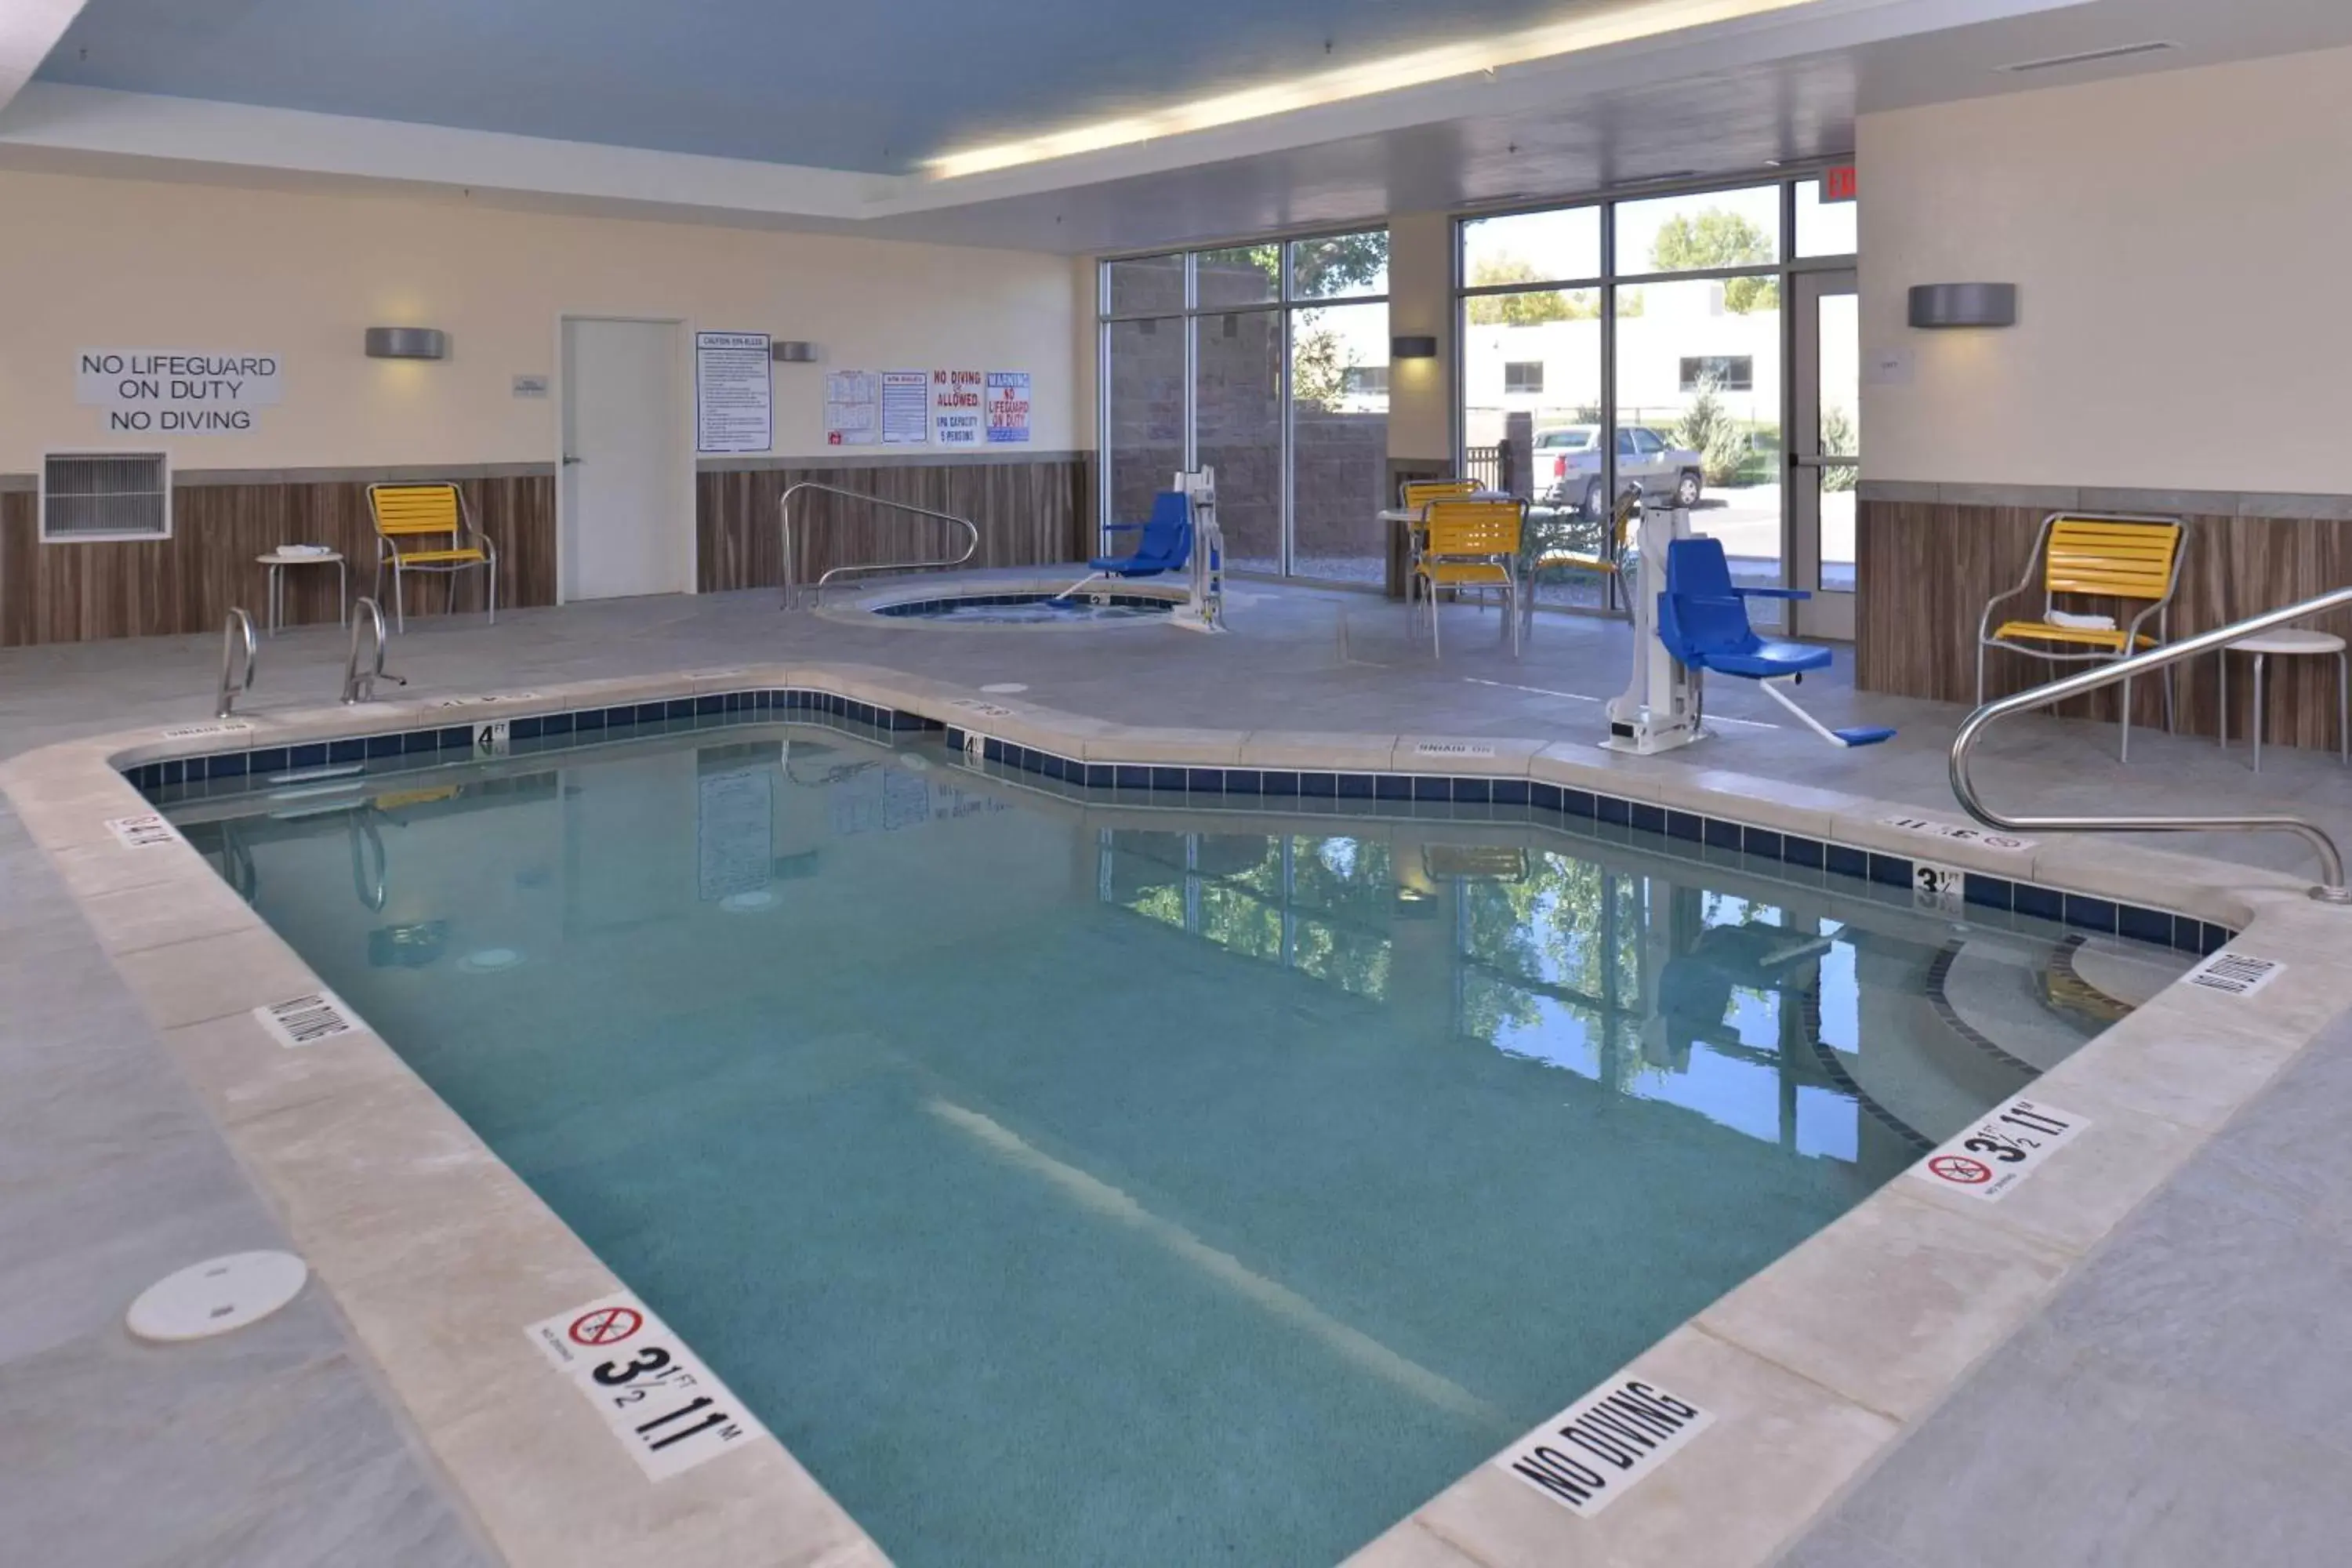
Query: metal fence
1484, 464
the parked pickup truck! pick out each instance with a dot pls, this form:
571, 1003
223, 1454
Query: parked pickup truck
1568, 467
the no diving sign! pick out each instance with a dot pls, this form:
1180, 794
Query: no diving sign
1591, 1453
604, 1326
668, 1409
1992, 1157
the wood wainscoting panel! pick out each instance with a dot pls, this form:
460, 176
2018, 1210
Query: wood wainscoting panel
1924, 570
82, 592
1030, 512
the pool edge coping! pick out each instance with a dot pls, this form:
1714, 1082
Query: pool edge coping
1748, 1353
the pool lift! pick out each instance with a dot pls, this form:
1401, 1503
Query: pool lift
1182, 531
1688, 619
1204, 609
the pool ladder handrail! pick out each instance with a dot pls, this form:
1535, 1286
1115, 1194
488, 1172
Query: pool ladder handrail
236, 634
2331, 889
784, 528
358, 685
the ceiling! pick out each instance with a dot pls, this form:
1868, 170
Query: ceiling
875, 88
778, 113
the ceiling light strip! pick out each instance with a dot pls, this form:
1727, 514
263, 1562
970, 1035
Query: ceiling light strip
1417, 68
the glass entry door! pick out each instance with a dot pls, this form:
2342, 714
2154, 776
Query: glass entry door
1824, 450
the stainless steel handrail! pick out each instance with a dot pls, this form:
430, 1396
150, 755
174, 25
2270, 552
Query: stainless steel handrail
784, 525
361, 687
2331, 889
238, 631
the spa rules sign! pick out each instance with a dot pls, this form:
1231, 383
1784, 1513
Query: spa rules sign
176, 390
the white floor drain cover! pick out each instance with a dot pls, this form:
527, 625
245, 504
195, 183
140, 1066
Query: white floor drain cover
1004, 688
216, 1297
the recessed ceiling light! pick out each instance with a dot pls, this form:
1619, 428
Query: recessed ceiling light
2088, 57
1645, 19
490, 961
751, 903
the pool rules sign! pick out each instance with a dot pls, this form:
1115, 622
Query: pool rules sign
177, 391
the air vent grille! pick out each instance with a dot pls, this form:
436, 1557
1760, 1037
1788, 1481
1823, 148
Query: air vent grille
105, 495
2090, 57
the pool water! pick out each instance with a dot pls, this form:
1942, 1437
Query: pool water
1071, 1182
1031, 609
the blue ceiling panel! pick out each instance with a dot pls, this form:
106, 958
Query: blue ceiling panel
875, 86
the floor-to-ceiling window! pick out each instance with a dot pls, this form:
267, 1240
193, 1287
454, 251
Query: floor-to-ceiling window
1651, 340
1267, 363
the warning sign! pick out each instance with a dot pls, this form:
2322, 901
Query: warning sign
1593, 1453
1992, 1157
666, 1408
1960, 1170
604, 1326
1929, 827
145, 831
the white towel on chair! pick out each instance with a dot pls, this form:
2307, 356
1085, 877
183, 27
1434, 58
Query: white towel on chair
2082, 623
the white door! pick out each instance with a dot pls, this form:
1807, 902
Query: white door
625, 498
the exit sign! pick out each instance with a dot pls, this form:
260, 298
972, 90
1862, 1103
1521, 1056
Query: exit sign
1839, 185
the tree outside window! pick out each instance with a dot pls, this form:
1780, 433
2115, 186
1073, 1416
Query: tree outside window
1716, 239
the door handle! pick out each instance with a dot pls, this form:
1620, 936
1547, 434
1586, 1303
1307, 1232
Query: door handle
569, 459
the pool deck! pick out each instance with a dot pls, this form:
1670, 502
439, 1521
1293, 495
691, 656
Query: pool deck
279, 1444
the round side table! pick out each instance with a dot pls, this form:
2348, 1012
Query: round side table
278, 560
2289, 643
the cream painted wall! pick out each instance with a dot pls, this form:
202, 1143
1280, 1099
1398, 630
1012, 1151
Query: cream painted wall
2180, 241
1421, 299
104, 263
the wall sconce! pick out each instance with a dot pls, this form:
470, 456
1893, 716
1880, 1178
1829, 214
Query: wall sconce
1939, 305
1413, 346
784, 351
407, 342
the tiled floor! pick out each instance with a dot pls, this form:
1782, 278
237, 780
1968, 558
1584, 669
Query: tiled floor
2185, 1399
269, 1445
272, 1447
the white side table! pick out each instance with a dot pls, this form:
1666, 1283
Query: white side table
278, 560
2289, 642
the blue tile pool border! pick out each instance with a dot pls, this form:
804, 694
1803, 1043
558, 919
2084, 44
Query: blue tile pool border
1291, 791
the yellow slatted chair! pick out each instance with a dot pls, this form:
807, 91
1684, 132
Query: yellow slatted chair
2088, 559
1414, 495
426, 527
1606, 558
1471, 544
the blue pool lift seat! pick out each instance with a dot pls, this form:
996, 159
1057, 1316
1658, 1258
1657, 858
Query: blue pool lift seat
1165, 543
1703, 621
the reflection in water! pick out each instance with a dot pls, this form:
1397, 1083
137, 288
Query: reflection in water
1658, 990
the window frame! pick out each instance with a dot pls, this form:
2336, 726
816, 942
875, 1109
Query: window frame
1288, 304
1788, 178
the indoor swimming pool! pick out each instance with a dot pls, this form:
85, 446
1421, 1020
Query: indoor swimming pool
1070, 1177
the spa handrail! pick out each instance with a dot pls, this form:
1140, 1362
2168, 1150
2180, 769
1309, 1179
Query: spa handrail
236, 634
784, 525
2331, 889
